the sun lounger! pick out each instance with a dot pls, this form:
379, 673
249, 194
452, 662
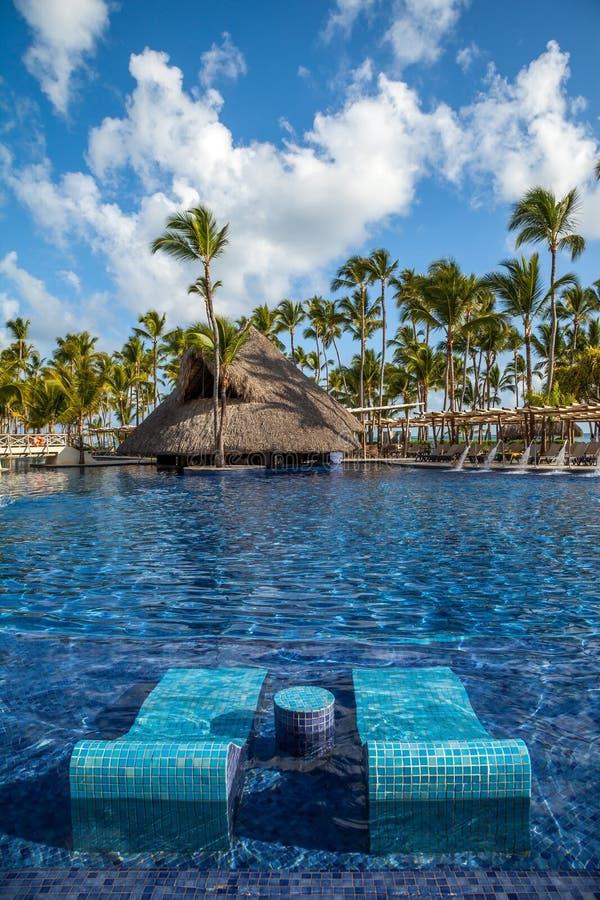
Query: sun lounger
446, 452
591, 453
171, 782
551, 453
437, 781
577, 453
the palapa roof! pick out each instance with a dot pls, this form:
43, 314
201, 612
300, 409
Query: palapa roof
272, 407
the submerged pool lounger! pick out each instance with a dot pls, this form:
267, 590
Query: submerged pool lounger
173, 780
436, 779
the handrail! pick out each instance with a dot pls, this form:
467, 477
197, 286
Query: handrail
45, 444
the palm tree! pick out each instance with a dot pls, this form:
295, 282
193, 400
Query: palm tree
381, 269
231, 341
194, 236
20, 330
83, 388
597, 170
266, 320
155, 324
520, 289
540, 218
135, 355
577, 304
174, 343
448, 296
289, 317
315, 313
45, 403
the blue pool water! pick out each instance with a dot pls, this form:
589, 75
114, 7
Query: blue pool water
110, 577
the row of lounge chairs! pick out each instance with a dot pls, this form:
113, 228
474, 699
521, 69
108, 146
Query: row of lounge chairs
172, 782
579, 453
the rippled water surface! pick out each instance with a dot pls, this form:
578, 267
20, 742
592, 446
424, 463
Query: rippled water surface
109, 577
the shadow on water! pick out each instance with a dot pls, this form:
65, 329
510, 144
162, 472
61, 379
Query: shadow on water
314, 803
39, 809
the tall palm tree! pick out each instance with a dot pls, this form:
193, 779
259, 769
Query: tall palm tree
154, 323
520, 289
380, 268
315, 313
20, 330
540, 218
194, 236
135, 355
577, 304
266, 320
448, 295
289, 317
83, 388
231, 341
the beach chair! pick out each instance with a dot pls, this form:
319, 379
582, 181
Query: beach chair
477, 453
551, 453
437, 781
577, 453
173, 781
446, 452
514, 451
592, 453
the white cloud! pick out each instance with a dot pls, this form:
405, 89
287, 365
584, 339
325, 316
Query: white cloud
522, 133
467, 55
9, 309
71, 278
65, 32
303, 72
224, 61
48, 314
344, 15
295, 210
419, 27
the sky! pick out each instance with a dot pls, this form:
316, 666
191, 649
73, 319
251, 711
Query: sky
317, 129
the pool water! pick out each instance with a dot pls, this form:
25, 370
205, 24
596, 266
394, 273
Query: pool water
109, 577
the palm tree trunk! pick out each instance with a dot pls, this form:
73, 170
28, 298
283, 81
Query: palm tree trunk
554, 316
217, 430
292, 345
381, 373
80, 440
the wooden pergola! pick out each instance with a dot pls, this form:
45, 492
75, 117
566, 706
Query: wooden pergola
526, 419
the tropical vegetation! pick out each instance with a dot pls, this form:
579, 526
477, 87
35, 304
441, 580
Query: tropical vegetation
461, 340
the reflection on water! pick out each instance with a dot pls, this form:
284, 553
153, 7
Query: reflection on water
383, 555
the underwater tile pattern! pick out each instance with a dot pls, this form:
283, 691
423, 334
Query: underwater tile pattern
478, 884
304, 720
430, 761
174, 778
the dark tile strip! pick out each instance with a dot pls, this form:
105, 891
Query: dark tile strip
156, 884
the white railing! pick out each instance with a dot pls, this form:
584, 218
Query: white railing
24, 445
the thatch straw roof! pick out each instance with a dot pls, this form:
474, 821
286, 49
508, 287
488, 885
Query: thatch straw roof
272, 407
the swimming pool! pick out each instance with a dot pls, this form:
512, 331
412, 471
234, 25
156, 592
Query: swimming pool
110, 577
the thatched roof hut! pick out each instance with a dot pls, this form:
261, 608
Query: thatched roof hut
273, 411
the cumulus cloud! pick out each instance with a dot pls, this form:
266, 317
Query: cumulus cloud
48, 314
522, 133
224, 61
419, 27
467, 55
344, 15
64, 33
295, 209
9, 309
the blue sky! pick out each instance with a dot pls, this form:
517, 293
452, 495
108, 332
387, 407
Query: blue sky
316, 129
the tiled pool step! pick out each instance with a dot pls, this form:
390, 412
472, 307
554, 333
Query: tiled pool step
143, 884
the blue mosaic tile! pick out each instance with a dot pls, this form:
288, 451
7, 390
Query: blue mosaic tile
475, 884
304, 720
173, 780
430, 761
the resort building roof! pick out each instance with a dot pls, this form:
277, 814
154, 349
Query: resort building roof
272, 407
